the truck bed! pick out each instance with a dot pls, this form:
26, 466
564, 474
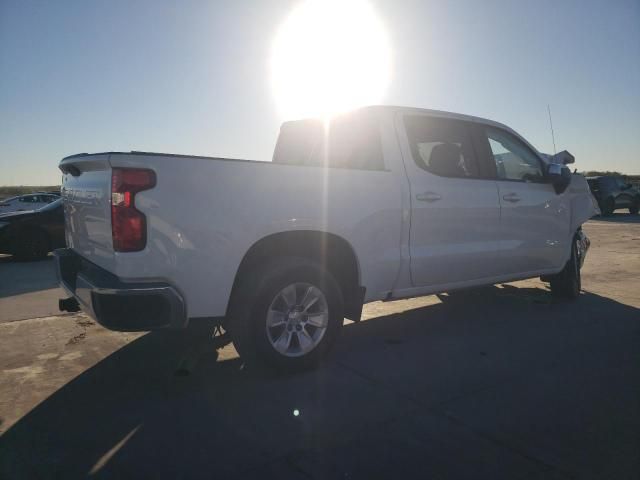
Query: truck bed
203, 216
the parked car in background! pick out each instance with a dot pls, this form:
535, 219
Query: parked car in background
56, 194
32, 201
384, 203
30, 235
613, 192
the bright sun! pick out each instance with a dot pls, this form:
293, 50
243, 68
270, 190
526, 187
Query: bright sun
329, 56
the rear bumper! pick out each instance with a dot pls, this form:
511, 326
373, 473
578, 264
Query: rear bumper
116, 305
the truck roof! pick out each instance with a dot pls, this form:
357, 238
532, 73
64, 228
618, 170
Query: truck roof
393, 109
435, 113
384, 109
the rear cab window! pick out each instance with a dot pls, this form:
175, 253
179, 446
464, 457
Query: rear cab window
350, 141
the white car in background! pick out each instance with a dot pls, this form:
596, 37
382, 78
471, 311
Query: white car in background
33, 201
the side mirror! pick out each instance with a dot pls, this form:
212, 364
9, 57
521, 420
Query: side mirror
559, 176
563, 158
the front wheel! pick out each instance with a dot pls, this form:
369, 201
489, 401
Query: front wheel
633, 209
568, 283
289, 315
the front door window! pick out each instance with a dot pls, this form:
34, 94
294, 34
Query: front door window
514, 161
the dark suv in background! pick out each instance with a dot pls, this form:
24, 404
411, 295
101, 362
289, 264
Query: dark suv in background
614, 192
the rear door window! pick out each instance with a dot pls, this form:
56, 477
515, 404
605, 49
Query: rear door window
442, 146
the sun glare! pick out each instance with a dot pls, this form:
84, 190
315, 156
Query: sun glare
329, 56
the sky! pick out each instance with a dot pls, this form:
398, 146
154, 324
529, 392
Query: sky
193, 77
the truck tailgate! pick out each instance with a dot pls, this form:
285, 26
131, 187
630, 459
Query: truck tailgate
86, 192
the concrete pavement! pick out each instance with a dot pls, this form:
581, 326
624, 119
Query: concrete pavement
498, 382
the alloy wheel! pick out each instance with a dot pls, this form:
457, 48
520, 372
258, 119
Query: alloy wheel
297, 319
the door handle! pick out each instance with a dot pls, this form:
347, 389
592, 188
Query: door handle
511, 197
428, 197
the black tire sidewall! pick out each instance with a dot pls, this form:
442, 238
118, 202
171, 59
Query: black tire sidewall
272, 279
574, 279
568, 283
608, 207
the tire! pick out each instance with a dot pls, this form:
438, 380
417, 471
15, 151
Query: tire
287, 314
31, 245
608, 206
633, 209
568, 283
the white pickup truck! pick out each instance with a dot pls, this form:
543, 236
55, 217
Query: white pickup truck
378, 204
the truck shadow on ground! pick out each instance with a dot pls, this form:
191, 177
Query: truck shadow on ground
131, 416
18, 277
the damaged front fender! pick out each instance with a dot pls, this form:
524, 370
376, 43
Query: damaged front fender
583, 204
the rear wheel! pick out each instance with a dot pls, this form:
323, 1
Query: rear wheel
633, 209
568, 283
31, 245
289, 315
607, 207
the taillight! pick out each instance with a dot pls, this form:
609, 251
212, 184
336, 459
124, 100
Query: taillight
128, 225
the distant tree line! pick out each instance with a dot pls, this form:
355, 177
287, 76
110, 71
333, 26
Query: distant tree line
597, 173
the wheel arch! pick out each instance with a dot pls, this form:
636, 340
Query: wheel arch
331, 251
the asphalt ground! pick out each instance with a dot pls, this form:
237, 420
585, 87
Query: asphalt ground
497, 382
